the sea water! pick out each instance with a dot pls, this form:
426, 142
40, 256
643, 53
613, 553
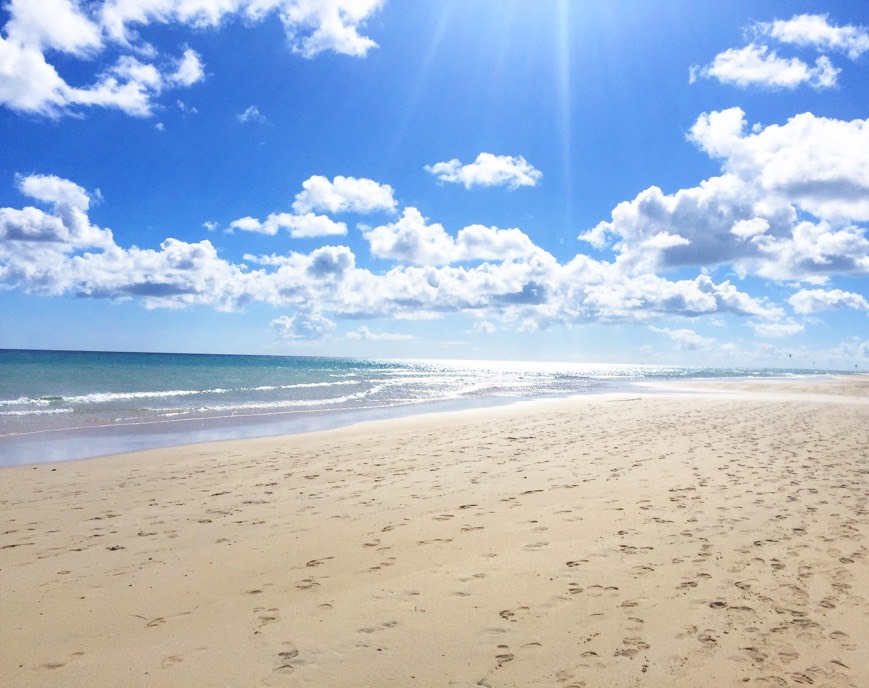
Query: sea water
61, 405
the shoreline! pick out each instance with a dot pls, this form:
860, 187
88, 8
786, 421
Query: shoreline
649, 539
61, 445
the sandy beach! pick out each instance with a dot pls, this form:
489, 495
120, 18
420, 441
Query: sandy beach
711, 537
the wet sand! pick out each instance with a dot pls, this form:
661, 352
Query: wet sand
705, 538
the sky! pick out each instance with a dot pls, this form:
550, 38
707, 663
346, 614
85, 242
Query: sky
618, 182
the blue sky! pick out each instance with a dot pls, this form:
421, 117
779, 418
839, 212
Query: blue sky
645, 182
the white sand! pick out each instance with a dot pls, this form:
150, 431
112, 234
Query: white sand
630, 540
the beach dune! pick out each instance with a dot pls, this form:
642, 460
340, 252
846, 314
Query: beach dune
705, 537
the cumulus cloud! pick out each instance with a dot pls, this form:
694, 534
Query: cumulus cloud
813, 252
29, 83
311, 26
820, 164
54, 25
487, 170
66, 227
315, 27
302, 326
344, 195
299, 226
36, 33
814, 30
60, 251
411, 240
757, 65
189, 69
815, 300
685, 338
57, 250
749, 217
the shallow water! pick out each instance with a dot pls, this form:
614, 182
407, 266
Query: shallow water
57, 405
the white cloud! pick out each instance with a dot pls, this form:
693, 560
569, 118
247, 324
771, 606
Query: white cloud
52, 24
316, 26
343, 195
749, 216
129, 85
251, 224
812, 253
815, 30
59, 251
299, 226
820, 164
177, 275
775, 330
756, 65
66, 228
189, 69
685, 338
303, 326
52, 189
487, 170
409, 239
477, 242
27, 82
363, 333
252, 114
37, 32
815, 300
312, 26
691, 227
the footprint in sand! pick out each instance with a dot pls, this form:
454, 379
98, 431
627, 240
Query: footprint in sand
318, 562
284, 659
632, 647
504, 655
268, 616
383, 564
599, 590
510, 614
170, 661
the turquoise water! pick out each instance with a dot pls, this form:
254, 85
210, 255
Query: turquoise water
60, 405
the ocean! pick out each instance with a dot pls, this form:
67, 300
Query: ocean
64, 405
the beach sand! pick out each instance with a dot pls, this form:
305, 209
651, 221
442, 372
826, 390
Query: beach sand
678, 539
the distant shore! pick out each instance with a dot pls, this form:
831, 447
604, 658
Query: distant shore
712, 535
